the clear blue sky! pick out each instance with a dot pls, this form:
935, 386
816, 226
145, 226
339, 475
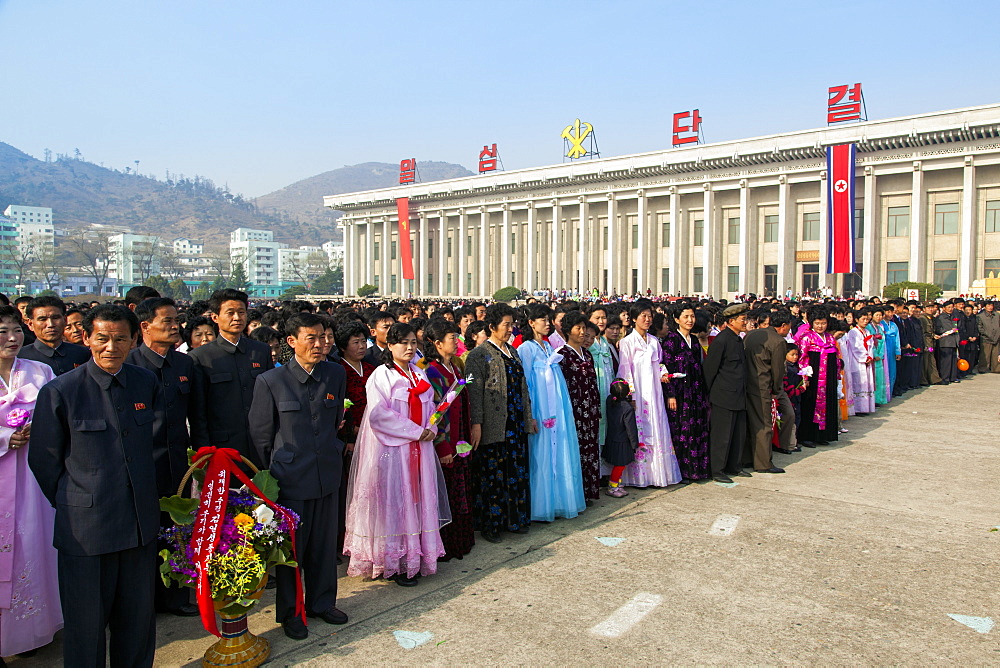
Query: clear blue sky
261, 94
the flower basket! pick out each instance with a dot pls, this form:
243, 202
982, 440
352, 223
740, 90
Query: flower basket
222, 545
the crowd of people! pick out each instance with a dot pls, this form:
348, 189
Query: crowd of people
537, 409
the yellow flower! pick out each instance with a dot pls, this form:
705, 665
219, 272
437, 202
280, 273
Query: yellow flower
243, 521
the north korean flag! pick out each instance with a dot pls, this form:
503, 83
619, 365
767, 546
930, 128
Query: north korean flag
840, 208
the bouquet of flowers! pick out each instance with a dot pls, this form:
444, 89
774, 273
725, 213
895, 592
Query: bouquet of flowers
449, 396
806, 371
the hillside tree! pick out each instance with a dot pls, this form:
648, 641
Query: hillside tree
47, 266
146, 258
17, 258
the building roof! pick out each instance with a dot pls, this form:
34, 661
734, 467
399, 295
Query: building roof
942, 127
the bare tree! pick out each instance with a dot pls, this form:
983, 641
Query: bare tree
47, 266
222, 264
145, 257
93, 255
17, 257
171, 266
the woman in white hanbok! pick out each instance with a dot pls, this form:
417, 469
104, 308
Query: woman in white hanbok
856, 348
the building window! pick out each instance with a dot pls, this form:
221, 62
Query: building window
375, 249
770, 229
392, 250
852, 282
468, 283
605, 237
699, 235
392, 284
376, 280
859, 223
468, 247
430, 248
946, 274
664, 220
991, 266
733, 277
635, 236
810, 276
449, 246
430, 283
698, 279
899, 221
664, 279
896, 272
771, 278
734, 230
810, 226
993, 215
448, 283
513, 241
946, 218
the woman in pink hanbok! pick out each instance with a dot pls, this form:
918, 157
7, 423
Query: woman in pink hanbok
856, 348
397, 500
30, 613
640, 366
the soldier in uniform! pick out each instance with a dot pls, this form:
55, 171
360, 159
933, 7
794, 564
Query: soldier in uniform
160, 331
92, 455
46, 316
228, 368
296, 412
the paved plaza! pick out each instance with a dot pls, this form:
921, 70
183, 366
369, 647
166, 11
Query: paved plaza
857, 555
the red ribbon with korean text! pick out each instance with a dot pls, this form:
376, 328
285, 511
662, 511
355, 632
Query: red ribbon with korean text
221, 463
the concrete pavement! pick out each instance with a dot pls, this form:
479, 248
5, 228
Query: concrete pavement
857, 555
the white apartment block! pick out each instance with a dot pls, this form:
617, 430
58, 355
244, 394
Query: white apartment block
34, 229
302, 264
334, 252
133, 258
258, 252
187, 247
716, 219
243, 234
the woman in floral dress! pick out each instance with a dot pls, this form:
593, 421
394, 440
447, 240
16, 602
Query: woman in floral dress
687, 395
581, 381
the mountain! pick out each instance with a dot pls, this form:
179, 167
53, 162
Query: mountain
303, 200
82, 193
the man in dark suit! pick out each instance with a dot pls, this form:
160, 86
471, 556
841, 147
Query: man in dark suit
176, 374
228, 368
946, 327
765, 353
46, 316
379, 323
726, 376
296, 412
92, 455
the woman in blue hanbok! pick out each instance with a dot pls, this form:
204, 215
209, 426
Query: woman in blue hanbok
554, 451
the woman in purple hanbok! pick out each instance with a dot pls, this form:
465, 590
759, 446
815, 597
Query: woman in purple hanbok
397, 500
857, 352
641, 355
687, 395
30, 612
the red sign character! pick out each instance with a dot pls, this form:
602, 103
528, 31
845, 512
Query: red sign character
692, 127
408, 171
838, 111
488, 159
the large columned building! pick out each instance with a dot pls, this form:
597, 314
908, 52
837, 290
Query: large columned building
714, 219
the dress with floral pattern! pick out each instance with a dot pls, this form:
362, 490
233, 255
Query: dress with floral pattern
502, 498
581, 380
689, 423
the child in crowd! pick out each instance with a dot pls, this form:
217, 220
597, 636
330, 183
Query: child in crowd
622, 435
795, 384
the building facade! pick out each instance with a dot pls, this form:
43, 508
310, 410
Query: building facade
258, 252
715, 219
133, 258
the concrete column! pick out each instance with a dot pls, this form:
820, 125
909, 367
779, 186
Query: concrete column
554, 246
384, 257
422, 284
462, 253
642, 250
529, 280
747, 240
678, 275
825, 279
918, 227
583, 276
966, 256
484, 242
440, 283
505, 247
368, 268
871, 272
786, 238
350, 258
610, 256
710, 266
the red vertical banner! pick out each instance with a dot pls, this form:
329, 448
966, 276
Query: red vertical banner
405, 256
840, 208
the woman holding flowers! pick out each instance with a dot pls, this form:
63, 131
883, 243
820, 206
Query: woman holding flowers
397, 499
818, 353
30, 612
444, 370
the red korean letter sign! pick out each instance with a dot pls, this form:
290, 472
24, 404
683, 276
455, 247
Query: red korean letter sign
488, 159
691, 127
408, 171
838, 109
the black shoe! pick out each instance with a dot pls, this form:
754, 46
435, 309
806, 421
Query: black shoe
295, 629
490, 537
783, 451
797, 449
743, 474
721, 477
521, 530
403, 581
272, 582
808, 444
331, 615
773, 469
184, 610
340, 560
822, 442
